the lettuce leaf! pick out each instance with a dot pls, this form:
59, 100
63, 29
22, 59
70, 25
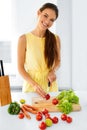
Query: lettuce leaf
66, 99
65, 106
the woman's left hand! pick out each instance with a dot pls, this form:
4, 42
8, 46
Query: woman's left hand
51, 76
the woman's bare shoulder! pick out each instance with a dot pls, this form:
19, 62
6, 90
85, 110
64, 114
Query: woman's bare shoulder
22, 38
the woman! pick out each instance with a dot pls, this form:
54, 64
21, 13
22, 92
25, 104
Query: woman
39, 53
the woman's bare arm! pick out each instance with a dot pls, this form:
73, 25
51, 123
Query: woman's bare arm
57, 63
21, 60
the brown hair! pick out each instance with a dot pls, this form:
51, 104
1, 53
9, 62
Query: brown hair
50, 52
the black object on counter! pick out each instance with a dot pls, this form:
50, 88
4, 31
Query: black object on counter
0, 72
2, 69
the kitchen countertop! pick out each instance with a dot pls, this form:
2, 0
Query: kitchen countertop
12, 122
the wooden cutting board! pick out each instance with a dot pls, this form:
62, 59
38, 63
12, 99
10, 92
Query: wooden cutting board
41, 103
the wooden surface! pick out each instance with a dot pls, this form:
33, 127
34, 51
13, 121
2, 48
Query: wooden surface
41, 103
5, 94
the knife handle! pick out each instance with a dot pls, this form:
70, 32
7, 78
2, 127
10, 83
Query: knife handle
2, 70
49, 83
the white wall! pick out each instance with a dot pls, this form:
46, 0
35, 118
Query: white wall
24, 14
79, 44
64, 30
5, 20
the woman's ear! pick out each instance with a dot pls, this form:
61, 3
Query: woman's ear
38, 12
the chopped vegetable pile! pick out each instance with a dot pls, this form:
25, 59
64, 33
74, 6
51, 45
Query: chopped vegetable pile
66, 99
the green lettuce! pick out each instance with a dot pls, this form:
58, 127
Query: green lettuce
66, 99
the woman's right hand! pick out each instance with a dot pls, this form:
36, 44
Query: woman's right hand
40, 91
51, 76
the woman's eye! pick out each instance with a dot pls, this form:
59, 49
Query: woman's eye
52, 20
45, 16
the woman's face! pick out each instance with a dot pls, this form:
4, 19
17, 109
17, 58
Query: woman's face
46, 18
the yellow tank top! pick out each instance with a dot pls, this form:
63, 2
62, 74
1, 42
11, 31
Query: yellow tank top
35, 64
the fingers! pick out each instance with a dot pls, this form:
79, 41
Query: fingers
51, 77
40, 91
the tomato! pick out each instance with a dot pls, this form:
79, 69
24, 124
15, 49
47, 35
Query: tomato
42, 125
45, 111
69, 119
47, 115
47, 96
63, 117
39, 116
55, 120
54, 101
21, 115
39, 113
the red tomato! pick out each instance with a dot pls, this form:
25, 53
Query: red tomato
47, 115
54, 101
47, 96
69, 119
63, 117
45, 111
21, 115
42, 125
55, 120
39, 117
39, 113
48, 118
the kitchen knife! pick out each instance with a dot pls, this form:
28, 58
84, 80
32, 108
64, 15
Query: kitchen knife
48, 88
2, 70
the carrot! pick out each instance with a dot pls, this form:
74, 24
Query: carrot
25, 112
29, 106
29, 109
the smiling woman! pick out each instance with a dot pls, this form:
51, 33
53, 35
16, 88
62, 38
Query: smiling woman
22, 20
47, 13
39, 53
9, 31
